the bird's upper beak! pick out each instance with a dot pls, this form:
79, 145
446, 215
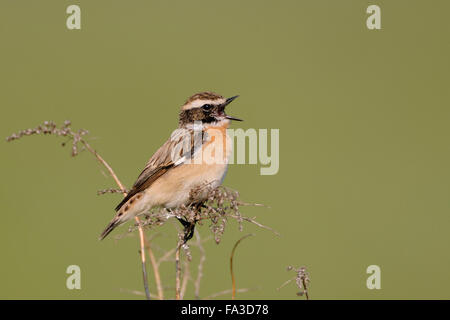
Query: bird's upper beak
227, 102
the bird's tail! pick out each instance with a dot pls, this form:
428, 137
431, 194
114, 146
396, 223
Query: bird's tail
111, 226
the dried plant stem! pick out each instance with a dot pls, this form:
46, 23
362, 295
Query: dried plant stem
302, 280
138, 293
156, 273
109, 190
252, 220
285, 283
178, 271
166, 257
105, 164
200, 265
224, 292
186, 278
233, 281
305, 285
144, 267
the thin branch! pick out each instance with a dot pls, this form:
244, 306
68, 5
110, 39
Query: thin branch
178, 268
305, 285
138, 293
252, 220
186, 278
224, 292
200, 265
166, 256
110, 190
302, 280
155, 267
285, 283
105, 164
233, 282
144, 268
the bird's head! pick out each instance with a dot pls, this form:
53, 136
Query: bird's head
207, 107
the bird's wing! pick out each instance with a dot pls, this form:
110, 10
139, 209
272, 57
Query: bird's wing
182, 146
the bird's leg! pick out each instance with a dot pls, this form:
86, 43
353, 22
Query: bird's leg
189, 227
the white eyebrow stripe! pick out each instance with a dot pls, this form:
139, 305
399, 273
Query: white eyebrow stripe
200, 102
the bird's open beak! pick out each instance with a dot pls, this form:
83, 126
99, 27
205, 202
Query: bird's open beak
227, 102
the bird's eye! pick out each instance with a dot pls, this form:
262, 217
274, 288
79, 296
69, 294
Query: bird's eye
207, 107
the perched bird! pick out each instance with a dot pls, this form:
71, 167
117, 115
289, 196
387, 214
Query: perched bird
196, 153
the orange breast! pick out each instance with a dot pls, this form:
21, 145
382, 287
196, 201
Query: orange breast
218, 148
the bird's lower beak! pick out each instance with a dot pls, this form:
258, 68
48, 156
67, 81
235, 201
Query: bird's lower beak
227, 102
233, 118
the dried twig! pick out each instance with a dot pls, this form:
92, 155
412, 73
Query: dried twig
178, 267
110, 190
186, 278
302, 280
233, 282
138, 293
228, 291
144, 268
155, 267
252, 220
200, 265
166, 257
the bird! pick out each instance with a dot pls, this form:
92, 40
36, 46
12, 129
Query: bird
196, 154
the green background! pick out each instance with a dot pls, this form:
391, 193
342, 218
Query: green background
364, 153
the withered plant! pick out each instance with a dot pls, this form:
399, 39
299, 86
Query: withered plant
301, 279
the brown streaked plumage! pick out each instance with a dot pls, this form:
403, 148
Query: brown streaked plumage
171, 173
207, 95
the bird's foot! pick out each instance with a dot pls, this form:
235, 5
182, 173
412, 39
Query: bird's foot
189, 228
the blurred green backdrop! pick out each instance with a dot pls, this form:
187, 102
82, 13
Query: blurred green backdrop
364, 126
